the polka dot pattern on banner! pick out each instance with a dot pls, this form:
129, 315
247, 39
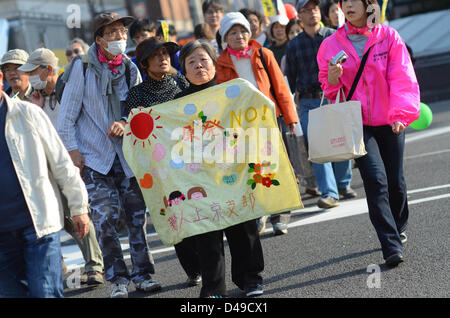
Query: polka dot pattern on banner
177, 163
190, 109
233, 91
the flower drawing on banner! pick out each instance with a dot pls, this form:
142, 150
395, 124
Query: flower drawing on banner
266, 178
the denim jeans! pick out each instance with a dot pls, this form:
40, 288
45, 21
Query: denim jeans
382, 173
330, 176
30, 266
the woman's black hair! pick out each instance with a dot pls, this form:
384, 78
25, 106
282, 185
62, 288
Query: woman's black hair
140, 26
290, 24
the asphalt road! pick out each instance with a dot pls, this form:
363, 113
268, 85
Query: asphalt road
335, 253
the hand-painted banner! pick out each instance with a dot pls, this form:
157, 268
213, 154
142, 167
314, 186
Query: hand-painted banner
210, 160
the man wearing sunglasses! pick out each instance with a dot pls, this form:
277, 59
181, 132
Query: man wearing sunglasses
76, 47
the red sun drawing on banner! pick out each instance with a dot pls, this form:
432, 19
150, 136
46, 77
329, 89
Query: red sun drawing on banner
142, 126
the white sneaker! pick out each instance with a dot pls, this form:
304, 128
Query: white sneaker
119, 291
148, 285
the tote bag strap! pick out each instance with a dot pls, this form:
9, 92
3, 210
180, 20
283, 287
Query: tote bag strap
338, 97
358, 75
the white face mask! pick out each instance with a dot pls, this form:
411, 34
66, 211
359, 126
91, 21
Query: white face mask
36, 82
116, 47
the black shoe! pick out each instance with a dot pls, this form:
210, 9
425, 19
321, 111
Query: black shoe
347, 193
194, 280
394, 260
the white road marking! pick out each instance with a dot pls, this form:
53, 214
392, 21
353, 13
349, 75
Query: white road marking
428, 154
426, 134
74, 258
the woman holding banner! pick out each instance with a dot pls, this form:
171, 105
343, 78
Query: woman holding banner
198, 62
159, 86
390, 98
247, 59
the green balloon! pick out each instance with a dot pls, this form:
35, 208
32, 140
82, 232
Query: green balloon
425, 118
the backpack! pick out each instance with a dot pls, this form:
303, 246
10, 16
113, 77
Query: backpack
60, 84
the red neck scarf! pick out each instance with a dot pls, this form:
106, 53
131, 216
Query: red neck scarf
111, 63
239, 54
354, 30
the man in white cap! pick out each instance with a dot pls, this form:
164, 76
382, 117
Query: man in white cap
18, 80
42, 69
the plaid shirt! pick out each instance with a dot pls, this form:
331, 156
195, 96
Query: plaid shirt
301, 59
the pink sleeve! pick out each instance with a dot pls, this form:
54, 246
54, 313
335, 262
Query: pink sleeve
404, 98
329, 90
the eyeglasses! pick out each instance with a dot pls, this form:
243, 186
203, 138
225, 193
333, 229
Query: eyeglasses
74, 51
114, 32
311, 10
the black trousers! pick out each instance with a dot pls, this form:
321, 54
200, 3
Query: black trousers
384, 183
247, 260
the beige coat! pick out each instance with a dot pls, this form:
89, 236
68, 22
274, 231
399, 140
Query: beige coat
43, 166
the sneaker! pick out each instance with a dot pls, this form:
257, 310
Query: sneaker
313, 191
261, 224
254, 290
94, 278
403, 237
194, 280
83, 278
327, 203
148, 285
347, 193
279, 228
119, 290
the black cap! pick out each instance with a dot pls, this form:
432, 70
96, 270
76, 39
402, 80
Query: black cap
148, 46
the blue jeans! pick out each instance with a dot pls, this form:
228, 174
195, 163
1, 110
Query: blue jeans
330, 176
382, 173
30, 266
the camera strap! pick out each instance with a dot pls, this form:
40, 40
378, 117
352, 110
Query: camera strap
358, 75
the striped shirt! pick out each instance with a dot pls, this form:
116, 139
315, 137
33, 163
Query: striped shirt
83, 119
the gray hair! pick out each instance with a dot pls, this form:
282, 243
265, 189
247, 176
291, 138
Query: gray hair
83, 44
190, 47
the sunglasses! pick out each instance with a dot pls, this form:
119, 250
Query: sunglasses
71, 52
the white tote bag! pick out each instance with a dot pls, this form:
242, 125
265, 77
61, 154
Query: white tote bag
335, 132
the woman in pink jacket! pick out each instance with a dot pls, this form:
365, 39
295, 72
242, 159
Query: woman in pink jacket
390, 99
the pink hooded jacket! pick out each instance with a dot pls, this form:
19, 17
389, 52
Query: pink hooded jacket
388, 88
